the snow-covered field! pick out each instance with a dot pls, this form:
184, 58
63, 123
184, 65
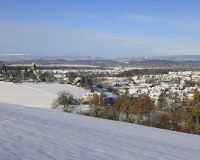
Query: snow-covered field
38, 134
34, 133
35, 94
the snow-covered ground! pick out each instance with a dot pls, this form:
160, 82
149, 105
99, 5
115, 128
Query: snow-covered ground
38, 134
35, 94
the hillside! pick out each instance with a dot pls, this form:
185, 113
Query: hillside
36, 94
33, 133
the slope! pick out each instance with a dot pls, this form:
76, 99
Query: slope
35, 94
33, 133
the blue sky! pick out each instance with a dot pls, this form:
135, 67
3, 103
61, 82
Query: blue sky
103, 28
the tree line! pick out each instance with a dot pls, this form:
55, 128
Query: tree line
183, 116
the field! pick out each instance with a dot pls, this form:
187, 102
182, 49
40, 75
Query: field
30, 130
35, 94
35, 133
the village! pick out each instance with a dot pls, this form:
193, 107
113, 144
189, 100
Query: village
182, 84
159, 100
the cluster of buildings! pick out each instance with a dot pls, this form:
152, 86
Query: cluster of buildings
182, 84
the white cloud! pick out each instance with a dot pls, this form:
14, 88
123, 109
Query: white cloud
188, 21
80, 15
13, 54
140, 18
36, 39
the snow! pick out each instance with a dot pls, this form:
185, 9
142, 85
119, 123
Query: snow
34, 133
36, 94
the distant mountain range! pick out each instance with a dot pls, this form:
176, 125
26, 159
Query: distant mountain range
175, 61
170, 58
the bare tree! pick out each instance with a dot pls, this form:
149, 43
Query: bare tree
144, 105
125, 107
193, 114
64, 102
96, 104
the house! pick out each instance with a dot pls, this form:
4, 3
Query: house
90, 95
77, 80
190, 96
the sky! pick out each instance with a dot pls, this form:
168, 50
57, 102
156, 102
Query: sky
100, 28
